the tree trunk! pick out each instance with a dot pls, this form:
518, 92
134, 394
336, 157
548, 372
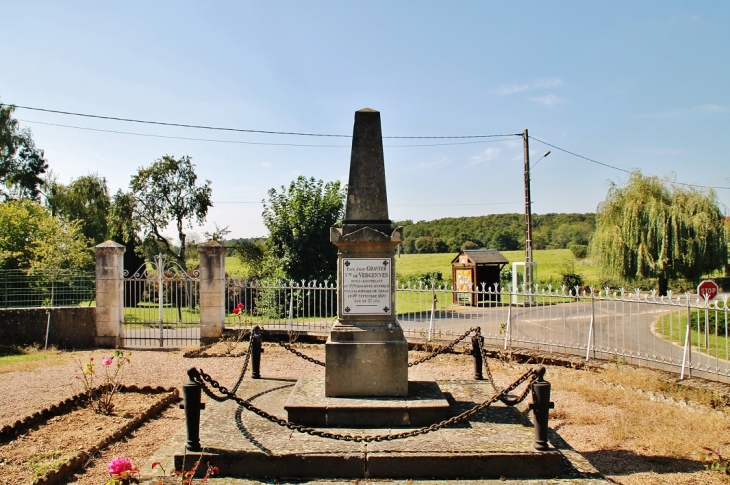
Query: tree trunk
663, 284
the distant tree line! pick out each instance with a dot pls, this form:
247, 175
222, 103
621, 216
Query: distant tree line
505, 232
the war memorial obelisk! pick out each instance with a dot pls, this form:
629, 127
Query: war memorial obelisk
366, 353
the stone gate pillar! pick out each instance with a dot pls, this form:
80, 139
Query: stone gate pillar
212, 291
109, 293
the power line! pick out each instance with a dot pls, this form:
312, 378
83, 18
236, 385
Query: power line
240, 130
250, 142
622, 169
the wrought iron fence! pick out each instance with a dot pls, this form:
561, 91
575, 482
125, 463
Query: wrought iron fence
46, 288
161, 305
306, 306
616, 325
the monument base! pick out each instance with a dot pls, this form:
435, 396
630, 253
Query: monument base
366, 360
307, 405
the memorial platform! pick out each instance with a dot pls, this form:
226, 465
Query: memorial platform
424, 405
496, 442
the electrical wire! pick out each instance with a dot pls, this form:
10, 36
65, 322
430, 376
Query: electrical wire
253, 142
622, 169
240, 130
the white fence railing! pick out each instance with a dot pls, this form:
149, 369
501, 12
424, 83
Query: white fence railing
615, 325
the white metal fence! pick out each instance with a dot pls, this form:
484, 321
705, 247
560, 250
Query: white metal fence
618, 325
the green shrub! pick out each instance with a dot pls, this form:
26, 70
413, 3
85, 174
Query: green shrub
571, 280
580, 251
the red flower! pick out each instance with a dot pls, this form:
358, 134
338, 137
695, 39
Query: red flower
240, 305
235, 311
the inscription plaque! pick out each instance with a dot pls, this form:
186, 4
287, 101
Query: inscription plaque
366, 286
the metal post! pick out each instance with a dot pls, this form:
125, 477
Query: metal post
433, 311
48, 328
508, 330
256, 353
591, 331
160, 309
687, 354
541, 407
477, 341
192, 406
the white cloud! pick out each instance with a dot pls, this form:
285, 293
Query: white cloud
549, 100
432, 164
539, 84
711, 108
487, 155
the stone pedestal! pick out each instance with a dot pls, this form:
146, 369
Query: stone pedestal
366, 353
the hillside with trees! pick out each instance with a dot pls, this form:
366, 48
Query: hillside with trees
505, 232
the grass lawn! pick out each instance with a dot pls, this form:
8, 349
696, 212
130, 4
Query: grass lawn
550, 264
673, 327
29, 358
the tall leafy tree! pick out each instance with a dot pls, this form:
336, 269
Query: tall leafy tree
21, 163
651, 227
33, 239
86, 200
166, 193
299, 218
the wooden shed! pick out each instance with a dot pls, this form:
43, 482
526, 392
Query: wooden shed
473, 267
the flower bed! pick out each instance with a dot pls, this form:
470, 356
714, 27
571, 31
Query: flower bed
44, 447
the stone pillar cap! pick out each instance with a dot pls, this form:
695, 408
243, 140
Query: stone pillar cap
109, 246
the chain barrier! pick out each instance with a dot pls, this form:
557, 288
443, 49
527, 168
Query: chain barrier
449, 347
443, 349
507, 399
202, 378
299, 354
245, 364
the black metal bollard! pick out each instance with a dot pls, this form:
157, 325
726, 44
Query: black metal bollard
192, 406
541, 407
476, 344
256, 351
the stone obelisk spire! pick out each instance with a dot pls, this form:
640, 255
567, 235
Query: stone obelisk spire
367, 199
366, 353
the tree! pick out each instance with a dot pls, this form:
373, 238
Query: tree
164, 193
86, 200
32, 239
299, 219
21, 163
654, 228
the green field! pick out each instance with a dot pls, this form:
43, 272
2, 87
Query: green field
551, 264
673, 327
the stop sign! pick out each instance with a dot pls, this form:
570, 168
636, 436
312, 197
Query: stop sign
707, 289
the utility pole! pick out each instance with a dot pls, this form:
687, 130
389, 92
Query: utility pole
528, 215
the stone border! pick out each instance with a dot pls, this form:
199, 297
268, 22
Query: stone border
79, 460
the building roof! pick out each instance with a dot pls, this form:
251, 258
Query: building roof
483, 256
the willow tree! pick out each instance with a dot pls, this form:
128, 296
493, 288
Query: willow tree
652, 227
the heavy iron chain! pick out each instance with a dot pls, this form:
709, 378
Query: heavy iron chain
299, 354
245, 364
443, 349
490, 378
410, 364
201, 378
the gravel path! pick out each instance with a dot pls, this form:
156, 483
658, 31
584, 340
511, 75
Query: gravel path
25, 392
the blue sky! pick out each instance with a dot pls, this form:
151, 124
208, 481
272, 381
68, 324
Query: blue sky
629, 84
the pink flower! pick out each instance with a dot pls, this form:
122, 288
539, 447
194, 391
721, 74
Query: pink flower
107, 361
119, 465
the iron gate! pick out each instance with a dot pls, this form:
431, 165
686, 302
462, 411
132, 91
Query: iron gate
161, 306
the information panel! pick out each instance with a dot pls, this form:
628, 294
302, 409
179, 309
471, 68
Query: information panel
366, 286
